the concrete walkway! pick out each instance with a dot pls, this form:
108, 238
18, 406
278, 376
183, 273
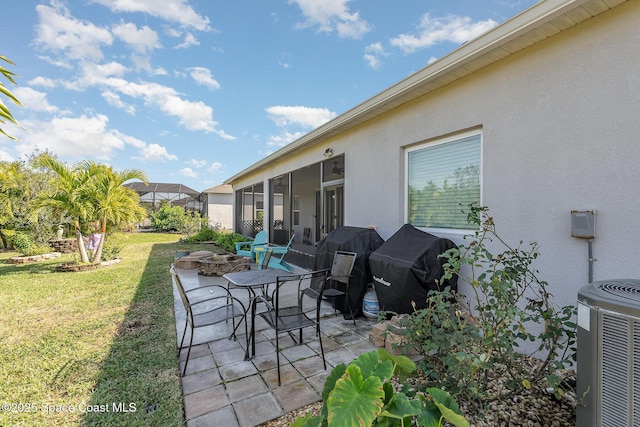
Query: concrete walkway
220, 388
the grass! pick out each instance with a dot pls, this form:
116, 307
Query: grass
95, 347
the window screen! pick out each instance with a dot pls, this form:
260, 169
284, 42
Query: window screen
443, 179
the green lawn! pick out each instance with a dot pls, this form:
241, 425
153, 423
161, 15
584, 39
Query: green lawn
95, 347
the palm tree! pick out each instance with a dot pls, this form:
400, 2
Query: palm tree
112, 203
5, 114
67, 196
92, 192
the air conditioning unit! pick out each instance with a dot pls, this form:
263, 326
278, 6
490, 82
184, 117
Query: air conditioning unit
608, 383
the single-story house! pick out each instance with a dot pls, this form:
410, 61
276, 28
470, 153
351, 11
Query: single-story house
535, 119
218, 206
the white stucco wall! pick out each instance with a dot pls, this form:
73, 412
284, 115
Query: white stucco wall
561, 131
220, 210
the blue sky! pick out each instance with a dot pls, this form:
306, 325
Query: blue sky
193, 92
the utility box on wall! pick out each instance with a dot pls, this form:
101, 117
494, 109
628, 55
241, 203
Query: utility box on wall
583, 224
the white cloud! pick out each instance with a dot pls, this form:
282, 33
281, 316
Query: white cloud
188, 172
42, 81
189, 40
283, 139
114, 100
74, 137
373, 53
85, 137
6, 157
197, 163
177, 11
34, 100
304, 116
70, 37
203, 77
332, 15
215, 167
193, 115
141, 40
456, 29
154, 153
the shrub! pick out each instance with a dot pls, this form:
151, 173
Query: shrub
362, 394
228, 241
175, 219
467, 340
112, 247
23, 243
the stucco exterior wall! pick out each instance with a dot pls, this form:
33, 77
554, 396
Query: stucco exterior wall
220, 210
561, 131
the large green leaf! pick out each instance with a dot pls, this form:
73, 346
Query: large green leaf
371, 365
430, 417
307, 421
330, 382
355, 401
403, 365
448, 407
402, 409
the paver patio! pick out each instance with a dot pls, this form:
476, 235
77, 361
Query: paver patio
220, 388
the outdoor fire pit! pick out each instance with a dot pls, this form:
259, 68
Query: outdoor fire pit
219, 264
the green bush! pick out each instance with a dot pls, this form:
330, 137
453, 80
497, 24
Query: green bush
175, 219
23, 243
224, 239
228, 241
465, 340
205, 234
112, 246
362, 394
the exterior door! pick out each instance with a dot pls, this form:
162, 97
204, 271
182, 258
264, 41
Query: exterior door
333, 208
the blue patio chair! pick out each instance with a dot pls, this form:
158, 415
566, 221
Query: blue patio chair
247, 248
278, 253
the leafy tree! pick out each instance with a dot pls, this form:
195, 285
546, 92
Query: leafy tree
20, 183
5, 114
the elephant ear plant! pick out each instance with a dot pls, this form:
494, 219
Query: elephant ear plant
362, 394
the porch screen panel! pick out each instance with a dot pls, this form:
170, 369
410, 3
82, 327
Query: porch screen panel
443, 179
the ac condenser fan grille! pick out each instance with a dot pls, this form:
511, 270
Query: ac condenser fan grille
622, 288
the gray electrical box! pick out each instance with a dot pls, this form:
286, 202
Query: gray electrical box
583, 224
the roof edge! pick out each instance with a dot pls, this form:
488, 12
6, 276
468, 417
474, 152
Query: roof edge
527, 21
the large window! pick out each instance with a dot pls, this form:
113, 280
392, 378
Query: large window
443, 178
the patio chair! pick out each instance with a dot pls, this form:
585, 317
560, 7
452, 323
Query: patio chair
281, 251
208, 311
289, 308
339, 277
247, 248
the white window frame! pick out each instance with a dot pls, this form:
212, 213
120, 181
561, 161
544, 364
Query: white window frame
451, 233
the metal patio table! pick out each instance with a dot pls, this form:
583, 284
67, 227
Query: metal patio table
252, 281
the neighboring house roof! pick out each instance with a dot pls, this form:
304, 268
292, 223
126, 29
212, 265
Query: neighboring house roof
541, 21
159, 187
219, 189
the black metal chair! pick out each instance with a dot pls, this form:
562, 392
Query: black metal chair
341, 268
211, 310
288, 307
